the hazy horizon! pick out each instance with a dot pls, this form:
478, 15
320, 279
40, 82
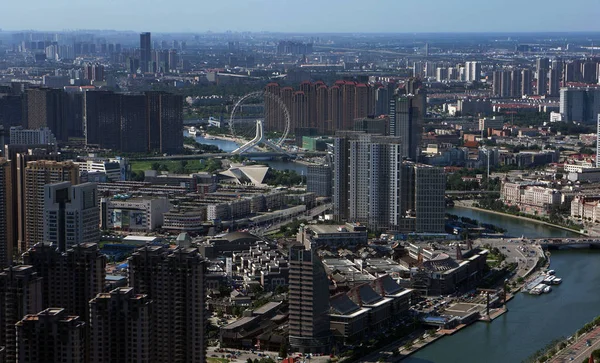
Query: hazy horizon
310, 16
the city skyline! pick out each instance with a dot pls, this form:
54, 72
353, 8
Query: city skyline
331, 17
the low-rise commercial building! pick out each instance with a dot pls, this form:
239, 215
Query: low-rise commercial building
347, 235
133, 213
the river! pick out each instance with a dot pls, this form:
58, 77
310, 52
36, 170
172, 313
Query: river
229, 146
532, 321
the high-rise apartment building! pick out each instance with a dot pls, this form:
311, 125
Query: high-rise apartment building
20, 294
165, 121
50, 336
174, 281
7, 214
526, 82
472, 71
19, 156
37, 175
134, 123
515, 83
72, 215
46, 108
70, 279
145, 52
102, 119
554, 77
580, 104
541, 81
372, 185
365, 176
121, 326
309, 302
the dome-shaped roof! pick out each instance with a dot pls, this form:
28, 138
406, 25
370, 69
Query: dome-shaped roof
239, 237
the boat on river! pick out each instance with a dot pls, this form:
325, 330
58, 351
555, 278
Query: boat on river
547, 289
556, 281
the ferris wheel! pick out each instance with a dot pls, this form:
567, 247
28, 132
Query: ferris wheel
259, 118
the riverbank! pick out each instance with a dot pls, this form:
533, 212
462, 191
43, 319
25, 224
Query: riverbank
461, 204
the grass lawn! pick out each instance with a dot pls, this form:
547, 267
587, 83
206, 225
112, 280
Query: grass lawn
192, 166
216, 360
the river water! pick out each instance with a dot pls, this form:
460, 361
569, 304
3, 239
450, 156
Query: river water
229, 146
532, 321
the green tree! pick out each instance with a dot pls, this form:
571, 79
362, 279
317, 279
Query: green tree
283, 350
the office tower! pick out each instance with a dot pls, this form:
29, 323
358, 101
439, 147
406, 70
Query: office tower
121, 327
580, 104
309, 302
134, 125
165, 121
426, 187
554, 83
174, 281
50, 336
7, 214
72, 215
370, 125
406, 119
37, 175
145, 52
526, 82
45, 108
515, 83
20, 294
319, 180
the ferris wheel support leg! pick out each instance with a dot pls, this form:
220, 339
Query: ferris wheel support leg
259, 139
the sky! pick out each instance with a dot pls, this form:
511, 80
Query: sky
306, 16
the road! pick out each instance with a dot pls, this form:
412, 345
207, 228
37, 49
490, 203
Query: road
521, 251
579, 351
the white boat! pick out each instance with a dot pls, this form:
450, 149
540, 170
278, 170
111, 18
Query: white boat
551, 272
192, 131
547, 289
538, 289
548, 280
556, 281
